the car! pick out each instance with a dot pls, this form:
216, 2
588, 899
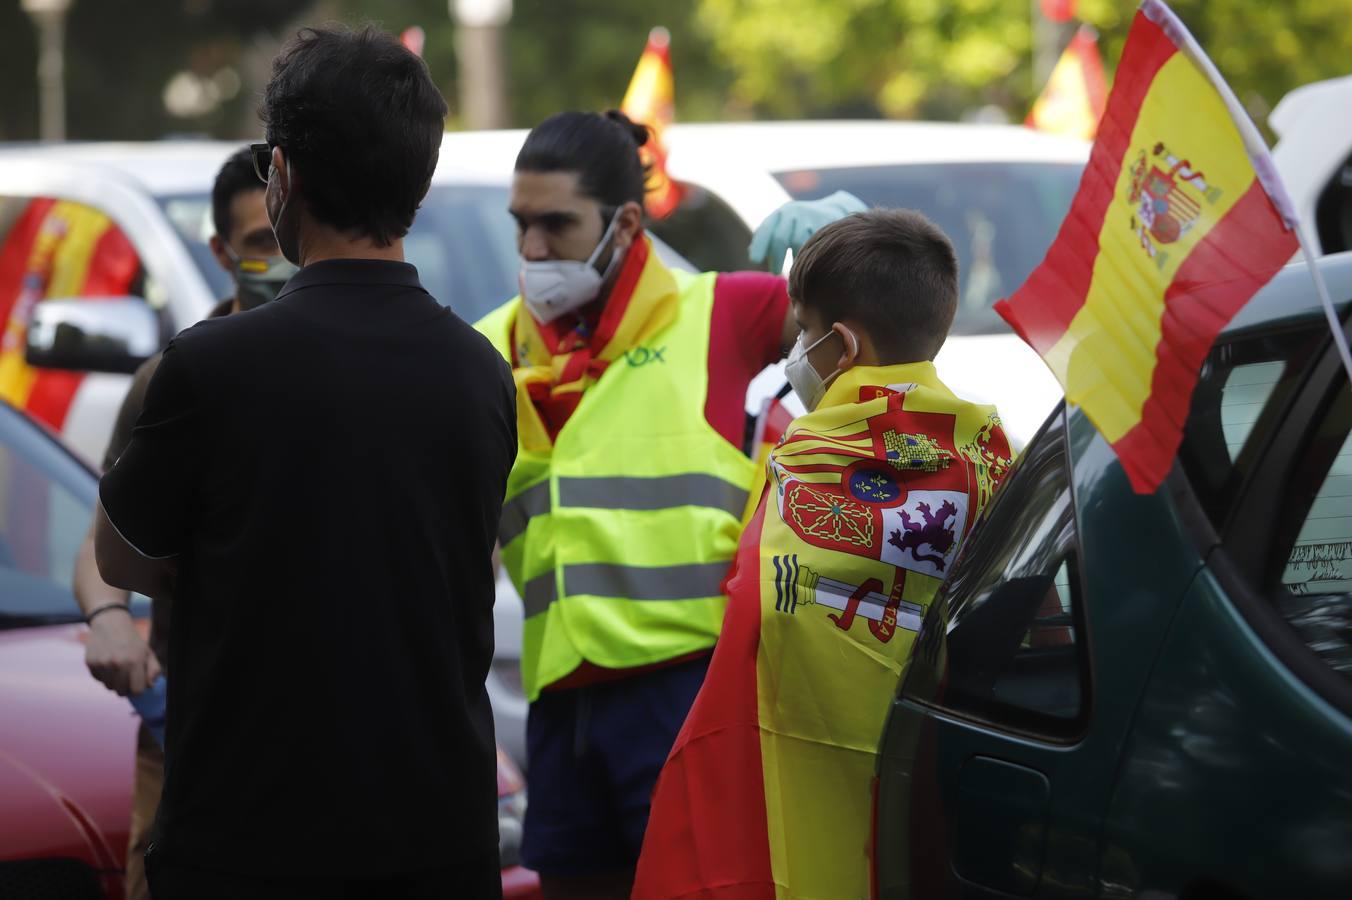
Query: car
1127, 695
999, 191
67, 744
1314, 156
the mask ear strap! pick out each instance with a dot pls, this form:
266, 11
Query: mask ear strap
605, 238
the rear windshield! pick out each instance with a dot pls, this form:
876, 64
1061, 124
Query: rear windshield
463, 243
1001, 217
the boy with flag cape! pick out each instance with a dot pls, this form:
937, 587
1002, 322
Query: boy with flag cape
767, 791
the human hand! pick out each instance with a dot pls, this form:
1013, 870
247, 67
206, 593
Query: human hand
789, 227
118, 656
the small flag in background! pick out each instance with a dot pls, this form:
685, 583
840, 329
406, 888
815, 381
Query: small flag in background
1073, 100
414, 38
1179, 219
650, 100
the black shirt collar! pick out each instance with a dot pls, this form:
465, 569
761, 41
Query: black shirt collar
349, 272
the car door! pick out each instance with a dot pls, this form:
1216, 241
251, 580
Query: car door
1000, 751
1235, 782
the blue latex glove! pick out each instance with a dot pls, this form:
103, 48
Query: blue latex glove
789, 227
149, 705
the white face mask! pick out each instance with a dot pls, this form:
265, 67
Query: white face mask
803, 376
552, 287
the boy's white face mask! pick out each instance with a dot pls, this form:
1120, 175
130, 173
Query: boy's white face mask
803, 377
553, 287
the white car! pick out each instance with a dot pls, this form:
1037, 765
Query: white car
157, 196
1314, 156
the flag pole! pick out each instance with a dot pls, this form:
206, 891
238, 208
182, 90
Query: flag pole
1322, 288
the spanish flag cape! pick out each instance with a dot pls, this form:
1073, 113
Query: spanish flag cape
768, 789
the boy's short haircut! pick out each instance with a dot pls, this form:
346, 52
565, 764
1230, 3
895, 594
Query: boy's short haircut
891, 270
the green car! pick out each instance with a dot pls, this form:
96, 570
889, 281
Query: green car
1119, 695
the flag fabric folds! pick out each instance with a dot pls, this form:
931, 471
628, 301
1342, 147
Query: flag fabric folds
768, 789
55, 248
1072, 102
1178, 221
651, 100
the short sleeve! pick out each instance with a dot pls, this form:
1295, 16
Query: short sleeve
128, 412
750, 308
149, 491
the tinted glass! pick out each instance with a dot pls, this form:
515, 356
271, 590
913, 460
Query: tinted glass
46, 500
1004, 641
1315, 594
463, 243
1243, 387
707, 232
1002, 217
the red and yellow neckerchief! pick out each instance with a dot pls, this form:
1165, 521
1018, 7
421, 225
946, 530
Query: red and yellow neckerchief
555, 363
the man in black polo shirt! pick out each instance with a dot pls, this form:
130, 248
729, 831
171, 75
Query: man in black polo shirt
320, 481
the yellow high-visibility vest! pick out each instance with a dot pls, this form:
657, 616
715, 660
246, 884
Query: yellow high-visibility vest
619, 539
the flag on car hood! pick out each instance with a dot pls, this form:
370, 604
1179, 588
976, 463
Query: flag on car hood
651, 100
768, 788
1179, 219
1072, 102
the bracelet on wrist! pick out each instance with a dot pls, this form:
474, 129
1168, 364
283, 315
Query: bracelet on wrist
99, 610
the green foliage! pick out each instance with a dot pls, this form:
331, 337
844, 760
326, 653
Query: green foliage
733, 58
938, 58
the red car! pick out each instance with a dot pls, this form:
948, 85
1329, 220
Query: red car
67, 744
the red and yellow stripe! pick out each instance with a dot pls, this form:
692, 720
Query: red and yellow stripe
1170, 234
56, 248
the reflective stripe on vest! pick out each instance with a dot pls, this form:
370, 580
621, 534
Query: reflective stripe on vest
619, 537
694, 489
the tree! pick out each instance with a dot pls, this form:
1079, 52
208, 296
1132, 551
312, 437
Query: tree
939, 58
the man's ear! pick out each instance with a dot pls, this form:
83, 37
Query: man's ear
282, 172
628, 225
849, 355
218, 250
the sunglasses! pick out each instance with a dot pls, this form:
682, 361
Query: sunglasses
262, 160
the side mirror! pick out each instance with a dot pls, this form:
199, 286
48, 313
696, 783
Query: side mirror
92, 334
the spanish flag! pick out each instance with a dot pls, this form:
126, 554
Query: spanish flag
767, 791
1180, 218
1072, 102
56, 248
651, 101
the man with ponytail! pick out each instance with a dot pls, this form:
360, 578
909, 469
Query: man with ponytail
625, 506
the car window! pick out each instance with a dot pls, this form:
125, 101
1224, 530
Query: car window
1001, 217
46, 501
1241, 391
707, 232
1004, 642
1333, 211
463, 243
1314, 587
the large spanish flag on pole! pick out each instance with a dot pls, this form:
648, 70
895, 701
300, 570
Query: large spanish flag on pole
651, 100
1180, 218
768, 790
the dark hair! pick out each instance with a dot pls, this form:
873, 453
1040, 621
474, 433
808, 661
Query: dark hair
891, 270
234, 178
602, 148
357, 115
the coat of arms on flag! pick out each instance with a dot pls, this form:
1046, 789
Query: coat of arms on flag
1179, 220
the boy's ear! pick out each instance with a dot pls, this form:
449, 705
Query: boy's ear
849, 354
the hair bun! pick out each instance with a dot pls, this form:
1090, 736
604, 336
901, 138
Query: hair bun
640, 133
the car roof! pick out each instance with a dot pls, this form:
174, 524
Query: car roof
788, 146
187, 165
1291, 294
